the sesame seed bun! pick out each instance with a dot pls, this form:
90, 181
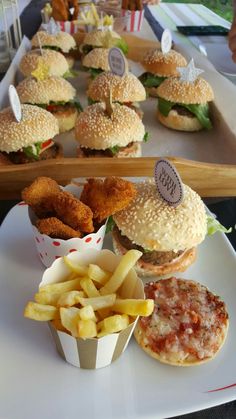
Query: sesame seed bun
51, 89
145, 269
97, 58
174, 90
151, 223
179, 122
62, 40
37, 125
96, 38
96, 130
163, 65
54, 60
124, 89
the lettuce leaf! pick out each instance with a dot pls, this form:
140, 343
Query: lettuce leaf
70, 74
213, 225
115, 149
91, 101
86, 49
200, 111
53, 47
146, 137
32, 151
110, 224
150, 80
94, 72
122, 45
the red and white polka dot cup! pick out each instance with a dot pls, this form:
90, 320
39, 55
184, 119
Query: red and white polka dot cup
50, 249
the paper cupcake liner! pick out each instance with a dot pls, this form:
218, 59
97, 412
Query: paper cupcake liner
50, 249
135, 20
93, 353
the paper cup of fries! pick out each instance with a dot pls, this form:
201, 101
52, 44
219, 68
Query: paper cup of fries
134, 20
92, 299
49, 249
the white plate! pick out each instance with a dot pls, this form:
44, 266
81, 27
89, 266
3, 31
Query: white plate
37, 383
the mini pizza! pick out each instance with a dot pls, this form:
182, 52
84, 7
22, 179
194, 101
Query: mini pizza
188, 326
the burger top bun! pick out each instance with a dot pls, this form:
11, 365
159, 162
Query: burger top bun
62, 40
174, 90
97, 58
96, 130
54, 60
96, 38
55, 89
151, 223
124, 89
163, 65
37, 125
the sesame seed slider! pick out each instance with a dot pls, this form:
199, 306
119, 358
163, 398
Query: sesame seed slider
183, 106
56, 62
166, 235
158, 67
126, 90
99, 39
54, 94
101, 135
61, 41
29, 140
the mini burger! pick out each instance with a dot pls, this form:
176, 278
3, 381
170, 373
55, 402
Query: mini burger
166, 235
55, 61
96, 62
126, 90
102, 135
54, 94
62, 42
102, 39
29, 140
158, 67
183, 106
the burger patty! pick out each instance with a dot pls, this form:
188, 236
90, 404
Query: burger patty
88, 152
154, 257
19, 157
181, 110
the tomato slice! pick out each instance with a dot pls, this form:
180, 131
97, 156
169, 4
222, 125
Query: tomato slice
46, 144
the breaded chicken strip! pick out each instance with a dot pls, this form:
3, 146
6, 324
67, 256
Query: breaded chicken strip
39, 195
106, 197
73, 212
60, 10
55, 228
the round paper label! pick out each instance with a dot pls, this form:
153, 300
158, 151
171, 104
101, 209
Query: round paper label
15, 103
166, 41
168, 183
116, 61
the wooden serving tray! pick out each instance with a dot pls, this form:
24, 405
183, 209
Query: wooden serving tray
209, 180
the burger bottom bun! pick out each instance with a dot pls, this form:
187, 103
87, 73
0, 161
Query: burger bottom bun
145, 269
152, 91
140, 337
66, 119
179, 122
133, 151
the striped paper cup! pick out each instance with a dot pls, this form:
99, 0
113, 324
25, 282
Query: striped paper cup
93, 353
135, 20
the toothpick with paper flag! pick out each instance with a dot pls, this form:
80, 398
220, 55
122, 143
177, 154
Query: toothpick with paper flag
52, 27
190, 73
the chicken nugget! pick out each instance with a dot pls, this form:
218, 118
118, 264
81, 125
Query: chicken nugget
39, 195
73, 212
106, 197
53, 227
60, 10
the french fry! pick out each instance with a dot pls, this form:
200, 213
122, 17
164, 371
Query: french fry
89, 288
126, 263
45, 297
98, 302
134, 307
69, 298
87, 329
40, 312
113, 324
60, 287
87, 313
78, 269
97, 274
69, 319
